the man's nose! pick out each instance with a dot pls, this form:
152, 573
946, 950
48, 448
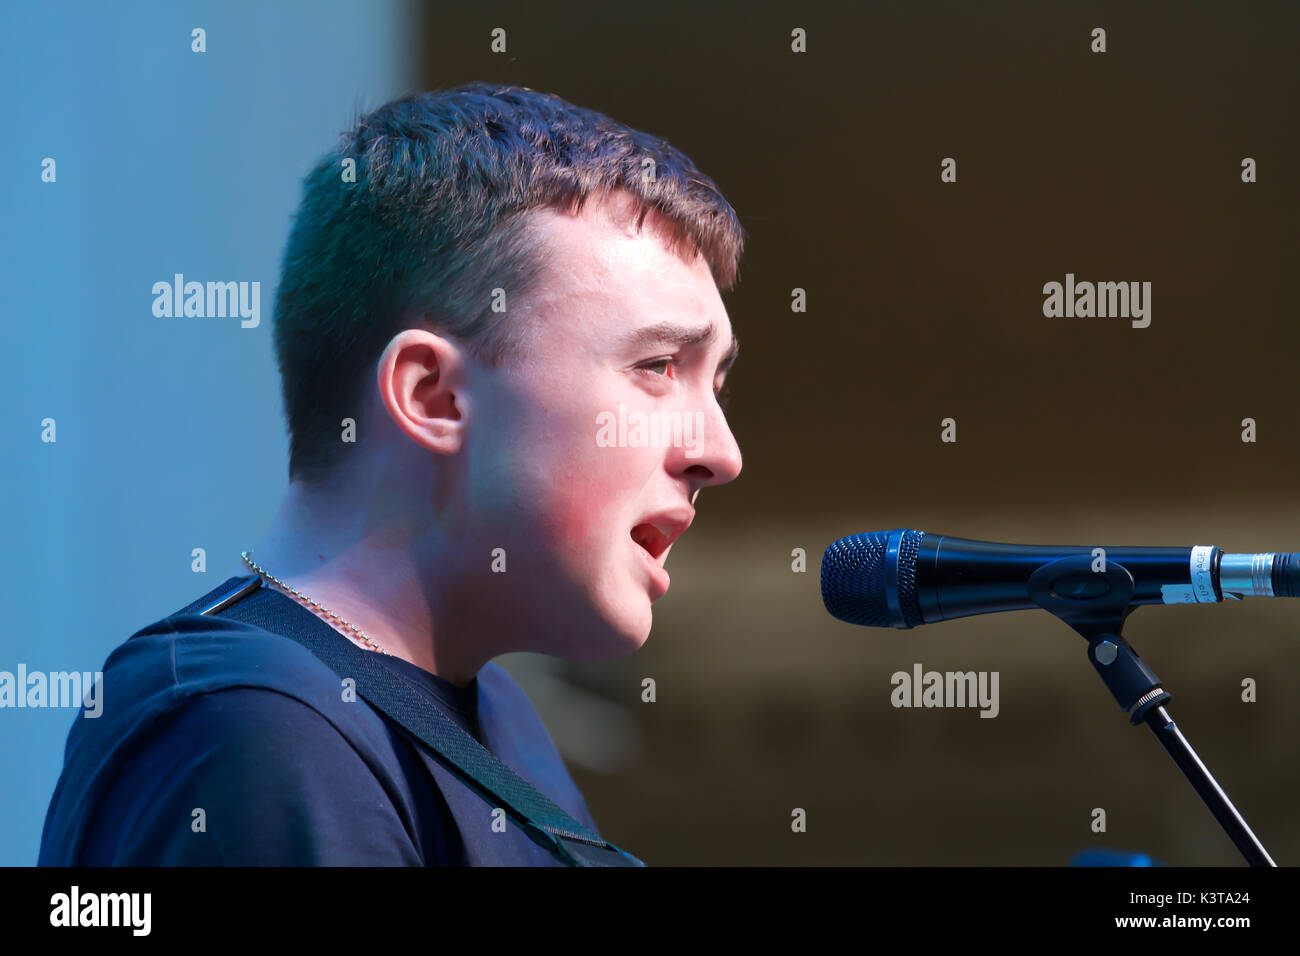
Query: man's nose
713, 457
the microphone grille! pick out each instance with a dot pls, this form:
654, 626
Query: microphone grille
854, 571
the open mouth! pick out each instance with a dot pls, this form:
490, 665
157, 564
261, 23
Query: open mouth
657, 532
650, 538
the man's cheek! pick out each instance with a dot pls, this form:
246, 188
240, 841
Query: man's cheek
587, 507
578, 514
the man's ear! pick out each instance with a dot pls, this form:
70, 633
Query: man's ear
422, 385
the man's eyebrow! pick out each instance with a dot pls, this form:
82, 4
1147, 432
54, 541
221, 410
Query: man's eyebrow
669, 333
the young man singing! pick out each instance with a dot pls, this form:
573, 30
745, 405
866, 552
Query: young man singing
501, 344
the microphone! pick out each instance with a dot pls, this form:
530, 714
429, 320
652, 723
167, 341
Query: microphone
904, 578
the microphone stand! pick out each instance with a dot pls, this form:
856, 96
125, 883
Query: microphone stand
1070, 589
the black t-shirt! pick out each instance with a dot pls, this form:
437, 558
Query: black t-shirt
221, 743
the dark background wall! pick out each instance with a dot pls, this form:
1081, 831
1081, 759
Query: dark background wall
925, 302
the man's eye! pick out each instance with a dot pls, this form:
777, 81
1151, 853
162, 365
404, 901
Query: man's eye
666, 363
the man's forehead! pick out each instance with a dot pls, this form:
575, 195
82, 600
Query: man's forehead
602, 243
630, 284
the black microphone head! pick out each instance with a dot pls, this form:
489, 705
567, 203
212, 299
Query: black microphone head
858, 573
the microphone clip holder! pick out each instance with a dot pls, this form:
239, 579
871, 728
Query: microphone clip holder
1095, 602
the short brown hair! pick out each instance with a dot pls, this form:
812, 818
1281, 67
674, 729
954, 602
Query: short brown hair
434, 221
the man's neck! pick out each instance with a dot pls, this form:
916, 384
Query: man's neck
368, 576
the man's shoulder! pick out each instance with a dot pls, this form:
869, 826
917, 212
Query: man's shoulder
187, 660
187, 654
207, 701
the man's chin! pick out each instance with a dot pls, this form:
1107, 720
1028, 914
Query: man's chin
611, 638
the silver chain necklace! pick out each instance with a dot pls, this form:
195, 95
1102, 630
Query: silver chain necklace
360, 634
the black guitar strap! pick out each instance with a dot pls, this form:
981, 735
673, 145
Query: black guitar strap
542, 820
